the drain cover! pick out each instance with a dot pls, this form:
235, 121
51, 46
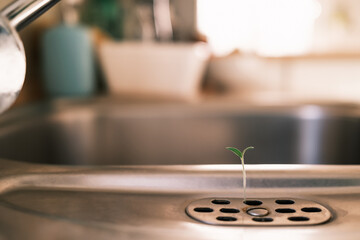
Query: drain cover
255, 212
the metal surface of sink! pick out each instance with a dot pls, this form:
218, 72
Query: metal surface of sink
149, 202
106, 133
48, 201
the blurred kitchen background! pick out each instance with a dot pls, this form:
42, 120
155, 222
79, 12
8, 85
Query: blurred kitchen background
195, 49
186, 78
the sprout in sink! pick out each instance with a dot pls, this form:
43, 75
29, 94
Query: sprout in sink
241, 155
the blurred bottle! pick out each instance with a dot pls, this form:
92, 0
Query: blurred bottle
68, 57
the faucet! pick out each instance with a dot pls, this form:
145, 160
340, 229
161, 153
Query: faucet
22, 12
13, 18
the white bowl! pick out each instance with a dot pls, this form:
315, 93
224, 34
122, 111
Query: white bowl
158, 69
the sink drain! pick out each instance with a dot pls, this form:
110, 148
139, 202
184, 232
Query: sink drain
255, 212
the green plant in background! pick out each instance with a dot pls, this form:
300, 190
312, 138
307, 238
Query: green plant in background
241, 155
107, 15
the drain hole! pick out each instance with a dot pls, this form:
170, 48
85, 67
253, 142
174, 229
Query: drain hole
298, 219
220, 201
229, 210
283, 201
311, 209
203, 209
226, 219
285, 210
258, 219
253, 202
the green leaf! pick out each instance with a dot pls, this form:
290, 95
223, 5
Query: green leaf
246, 150
236, 151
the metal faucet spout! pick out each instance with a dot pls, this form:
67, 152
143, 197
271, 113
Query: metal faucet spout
13, 18
22, 12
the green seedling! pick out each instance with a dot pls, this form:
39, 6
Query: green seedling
241, 155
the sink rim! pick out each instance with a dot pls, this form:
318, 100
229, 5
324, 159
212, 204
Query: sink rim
180, 178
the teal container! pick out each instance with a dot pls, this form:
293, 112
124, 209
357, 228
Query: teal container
68, 61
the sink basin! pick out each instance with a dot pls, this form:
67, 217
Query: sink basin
43, 195
103, 132
149, 202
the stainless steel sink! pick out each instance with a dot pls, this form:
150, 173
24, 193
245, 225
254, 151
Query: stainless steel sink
103, 132
48, 201
149, 202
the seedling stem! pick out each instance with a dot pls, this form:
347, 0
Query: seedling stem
241, 155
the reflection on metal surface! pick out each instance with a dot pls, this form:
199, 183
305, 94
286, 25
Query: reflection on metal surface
107, 133
148, 202
310, 133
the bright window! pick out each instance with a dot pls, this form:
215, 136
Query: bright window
265, 27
